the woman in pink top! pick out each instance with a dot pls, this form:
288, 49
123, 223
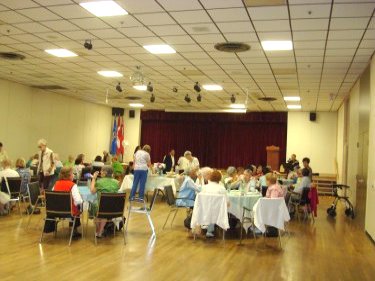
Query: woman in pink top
274, 190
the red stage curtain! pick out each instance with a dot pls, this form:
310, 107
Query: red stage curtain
216, 139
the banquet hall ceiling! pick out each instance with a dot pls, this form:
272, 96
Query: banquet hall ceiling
333, 43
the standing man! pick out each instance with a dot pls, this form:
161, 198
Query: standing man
3, 154
46, 167
306, 165
169, 161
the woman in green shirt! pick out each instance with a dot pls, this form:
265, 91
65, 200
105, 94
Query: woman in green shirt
106, 184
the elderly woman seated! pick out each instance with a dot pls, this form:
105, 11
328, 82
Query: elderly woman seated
189, 188
232, 181
274, 190
106, 184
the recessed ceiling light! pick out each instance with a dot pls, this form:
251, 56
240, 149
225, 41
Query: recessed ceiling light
159, 49
238, 105
136, 105
109, 73
140, 87
61, 53
104, 8
235, 110
293, 106
292, 98
212, 87
277, 45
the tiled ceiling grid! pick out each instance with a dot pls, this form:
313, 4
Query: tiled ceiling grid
333, 42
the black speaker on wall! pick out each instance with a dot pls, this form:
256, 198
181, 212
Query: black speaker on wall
131, 113
312, 116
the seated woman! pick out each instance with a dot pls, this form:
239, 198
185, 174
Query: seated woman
214, 187
205, 174
106, 184
274, 190
188, 190
65, 184
78, 166
24, 173
305, 181
69, 162
232, 181
130, 168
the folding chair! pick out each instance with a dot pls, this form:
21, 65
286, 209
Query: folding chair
35, 198
12, 186
143, 210
171, 201
111, 206
247, 219
58, 208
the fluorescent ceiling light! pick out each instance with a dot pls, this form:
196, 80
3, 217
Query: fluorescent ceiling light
237, 106
159, 49
136, 105
104, 8
212, 87
109, 73
293, 106
140, 87
277, 45
292, 98
235, 110
61, 53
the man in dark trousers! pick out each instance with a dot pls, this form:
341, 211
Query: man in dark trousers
169, 161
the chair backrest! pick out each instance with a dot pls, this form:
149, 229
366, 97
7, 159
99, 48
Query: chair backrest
58, 204
33, 190
273, 211
305, 196
111, 205
171, 200
153, 199
14, 186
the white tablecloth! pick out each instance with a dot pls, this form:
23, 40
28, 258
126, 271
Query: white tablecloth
210, 209
151, 183
237, 202
271, 212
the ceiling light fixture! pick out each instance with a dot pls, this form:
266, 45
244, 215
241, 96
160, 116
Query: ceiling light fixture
238, 106
175, 89
138, 105
150, 88
294, 106
199, 98
140, 87
152, 98
118, 87
109, 73
104, 8
277, 45
197, 88
292, 98
61, 53
160, 49
187, 98
212, 87
87, 44
232, 99
235, 110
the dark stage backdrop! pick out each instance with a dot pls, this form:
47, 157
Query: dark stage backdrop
216, 139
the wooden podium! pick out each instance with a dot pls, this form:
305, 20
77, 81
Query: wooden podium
273, 158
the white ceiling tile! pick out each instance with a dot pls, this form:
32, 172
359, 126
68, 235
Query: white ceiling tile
122, 21
27, 38
60, 25
19, 4
148, 40
144, 6
136, 31
191, 16
107, 33
203, 28
242, 26
212, 4
309, 44
345, 34
39, 14
209, 38
7, 29
162, 30
173, 5
309, 35
53, 2
342, 44
70, 11
178, 39
32, 27
274, 25
155, 19
241, 37
310, 24
353, 10
269, 13
78, 35
370, 34
274, 36
12, 17
90, 23
367, 44
348, 23
228, 15
310, 11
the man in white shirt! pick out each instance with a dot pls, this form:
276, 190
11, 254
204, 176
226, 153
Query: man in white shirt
6, 171
188, 162
46, 167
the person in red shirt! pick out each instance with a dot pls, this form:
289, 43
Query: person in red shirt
65, 184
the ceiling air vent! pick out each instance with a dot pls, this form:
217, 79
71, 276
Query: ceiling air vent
269, 99
11, 56
49, 87
232, 47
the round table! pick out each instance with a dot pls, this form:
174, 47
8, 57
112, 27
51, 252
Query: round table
153, 181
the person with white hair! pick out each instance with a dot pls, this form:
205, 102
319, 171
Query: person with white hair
189, 188
188, 161
232, 181
46, 166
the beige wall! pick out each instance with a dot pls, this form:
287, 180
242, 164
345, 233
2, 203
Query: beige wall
370, 202
316, 140
70, 126
132, 133
340, 144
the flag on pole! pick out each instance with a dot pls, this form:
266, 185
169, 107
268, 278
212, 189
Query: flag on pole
114, 137
120, 136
